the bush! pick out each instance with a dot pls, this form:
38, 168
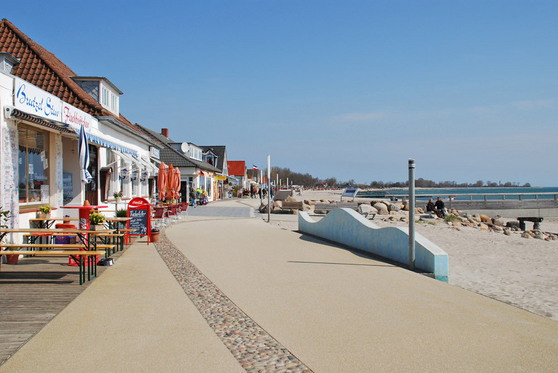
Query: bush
452, 218
122, 213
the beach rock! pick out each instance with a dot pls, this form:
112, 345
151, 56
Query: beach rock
394, 207
381, 208
310, 203
525, 235
507, 231
498, 220
366, 209
497, 228
483, 227
290, 199
475, 218
485, 219
277, 204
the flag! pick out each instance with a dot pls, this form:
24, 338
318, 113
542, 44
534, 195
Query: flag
83, 150
254, 167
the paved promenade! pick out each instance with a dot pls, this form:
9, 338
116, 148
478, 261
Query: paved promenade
228, 294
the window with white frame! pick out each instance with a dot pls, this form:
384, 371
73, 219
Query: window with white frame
33, 181
105, 97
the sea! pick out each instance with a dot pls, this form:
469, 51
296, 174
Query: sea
459, 194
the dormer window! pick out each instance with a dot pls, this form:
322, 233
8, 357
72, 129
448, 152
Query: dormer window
102, 90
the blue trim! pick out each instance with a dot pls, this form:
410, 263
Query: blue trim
111, 145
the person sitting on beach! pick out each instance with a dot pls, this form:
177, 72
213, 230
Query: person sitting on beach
440, 208
430, 206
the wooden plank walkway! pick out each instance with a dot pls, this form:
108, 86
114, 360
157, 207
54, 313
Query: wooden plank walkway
32, 293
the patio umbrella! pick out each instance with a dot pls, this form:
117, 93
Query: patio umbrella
170, 183
162, 181
84, 156
176, 183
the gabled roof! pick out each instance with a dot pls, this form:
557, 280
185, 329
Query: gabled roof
237, 168
220, 151
44, 70
170, 155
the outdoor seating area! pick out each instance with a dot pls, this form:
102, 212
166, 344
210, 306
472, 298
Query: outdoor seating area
83, 247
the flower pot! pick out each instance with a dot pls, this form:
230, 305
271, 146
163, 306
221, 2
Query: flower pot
155, 236
118, 199
96, 227
12, 259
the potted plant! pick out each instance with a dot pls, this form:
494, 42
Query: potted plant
118, 196
122, 213
155, 232
96, 220
44, 211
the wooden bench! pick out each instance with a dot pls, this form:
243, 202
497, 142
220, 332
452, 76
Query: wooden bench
126, 234
116, 238
536, 222
78, 256
59, 246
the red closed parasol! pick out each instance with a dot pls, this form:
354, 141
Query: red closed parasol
170, 182
176, 183
162, 181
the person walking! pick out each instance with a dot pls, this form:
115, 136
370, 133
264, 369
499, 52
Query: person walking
193, 197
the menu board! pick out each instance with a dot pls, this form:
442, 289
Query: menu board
138, 222
139, 210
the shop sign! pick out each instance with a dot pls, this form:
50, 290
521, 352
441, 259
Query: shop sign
75, 117
33, 100
220, 177
154, 152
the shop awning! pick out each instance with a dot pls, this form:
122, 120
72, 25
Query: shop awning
148, 165
128, 158
15, 113
111, 145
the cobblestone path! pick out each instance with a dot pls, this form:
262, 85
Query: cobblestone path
253, 347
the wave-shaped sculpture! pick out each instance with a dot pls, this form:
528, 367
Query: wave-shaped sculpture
347, 227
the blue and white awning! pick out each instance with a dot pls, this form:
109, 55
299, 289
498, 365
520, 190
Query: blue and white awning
109, 144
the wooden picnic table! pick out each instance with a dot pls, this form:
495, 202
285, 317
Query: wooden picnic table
78, 252
48, 222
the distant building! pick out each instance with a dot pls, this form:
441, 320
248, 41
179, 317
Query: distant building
188, 158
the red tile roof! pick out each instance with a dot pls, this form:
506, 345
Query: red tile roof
43, 69
237, 168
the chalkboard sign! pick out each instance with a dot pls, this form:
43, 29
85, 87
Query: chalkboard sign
139, 210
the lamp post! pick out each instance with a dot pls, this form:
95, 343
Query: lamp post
268, 188
412, 214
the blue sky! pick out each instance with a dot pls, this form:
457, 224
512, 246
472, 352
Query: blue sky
346, 89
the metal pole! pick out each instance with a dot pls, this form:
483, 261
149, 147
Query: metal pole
412, 214
268, 188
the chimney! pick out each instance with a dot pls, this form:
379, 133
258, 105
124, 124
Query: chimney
7, 62
165, 132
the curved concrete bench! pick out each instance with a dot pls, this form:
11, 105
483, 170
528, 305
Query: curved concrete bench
347, 227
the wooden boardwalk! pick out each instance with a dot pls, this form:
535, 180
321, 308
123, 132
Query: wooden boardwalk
32, 293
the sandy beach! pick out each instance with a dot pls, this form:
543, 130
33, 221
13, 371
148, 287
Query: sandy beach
515, 270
